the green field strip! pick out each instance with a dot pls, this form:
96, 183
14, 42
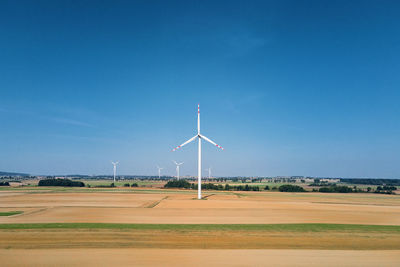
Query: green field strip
10, 213
312, 227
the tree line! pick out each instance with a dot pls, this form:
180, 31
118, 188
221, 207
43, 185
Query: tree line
209, 186
61, 182
370, 181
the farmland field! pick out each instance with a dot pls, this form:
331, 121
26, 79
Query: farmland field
88, 226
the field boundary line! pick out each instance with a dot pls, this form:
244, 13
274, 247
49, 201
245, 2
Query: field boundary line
305, 227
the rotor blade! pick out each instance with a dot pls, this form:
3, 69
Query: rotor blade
208, 140
198, 118
175, 162
187, 142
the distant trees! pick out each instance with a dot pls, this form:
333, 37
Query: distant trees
336, 189
371, 181
177, 184
210, 186
324, 187
291, 188
60, 182
105, 186
125, 185
386, 189
322, 183
4, 184
245, 188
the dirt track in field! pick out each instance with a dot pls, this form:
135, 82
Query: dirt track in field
159, 207
198, 257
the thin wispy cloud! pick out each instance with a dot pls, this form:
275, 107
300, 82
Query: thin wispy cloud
64, 115
244, 42
242, 103
71, 122
35, 114
238, 41
72, 111
94, 139
13, 110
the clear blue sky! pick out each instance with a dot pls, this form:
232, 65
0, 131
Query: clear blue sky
287, 87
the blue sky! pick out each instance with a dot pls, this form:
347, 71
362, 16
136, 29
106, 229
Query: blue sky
286, 87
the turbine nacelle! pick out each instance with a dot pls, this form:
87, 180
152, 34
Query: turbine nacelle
200, 137
177, 164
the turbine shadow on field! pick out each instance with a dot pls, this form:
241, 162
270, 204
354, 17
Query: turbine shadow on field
154, 204
203, 198
210, 195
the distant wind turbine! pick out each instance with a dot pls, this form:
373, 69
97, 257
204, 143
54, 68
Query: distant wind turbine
199, 136
115, 168
177, 168
209, 172
159, 172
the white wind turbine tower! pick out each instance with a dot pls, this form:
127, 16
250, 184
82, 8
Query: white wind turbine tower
115, 168
199, 136
159, 172
209, 172
177, 168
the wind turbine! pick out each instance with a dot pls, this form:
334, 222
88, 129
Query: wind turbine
115, 168
209, 172
159, 172
177, 168
199, 136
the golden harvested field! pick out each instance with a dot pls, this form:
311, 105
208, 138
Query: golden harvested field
214, 246
158, 207
198, 257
